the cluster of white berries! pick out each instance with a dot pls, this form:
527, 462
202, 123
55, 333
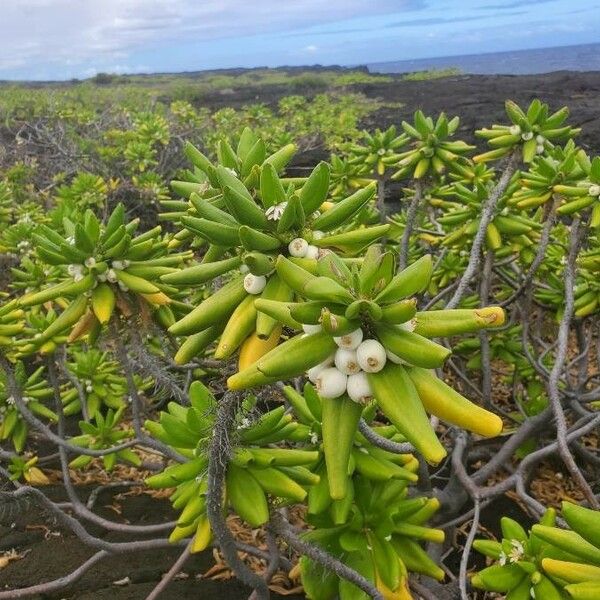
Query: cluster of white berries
346, 370
78, 271
300, 248
528, 135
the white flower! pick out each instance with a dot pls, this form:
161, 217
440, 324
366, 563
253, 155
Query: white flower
274, 212
517, 552
74, 269
502, 559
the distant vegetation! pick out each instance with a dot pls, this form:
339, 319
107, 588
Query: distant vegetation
432, 74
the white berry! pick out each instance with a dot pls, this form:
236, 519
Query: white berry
346, 361
312, 252
515, 130
371, 356
254, 284
314, 372
358, 388
350, 340
298, 247
318, 235
528, 135
394, 357
331, 383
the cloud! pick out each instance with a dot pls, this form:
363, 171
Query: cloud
311, 48
514, 4
46, 32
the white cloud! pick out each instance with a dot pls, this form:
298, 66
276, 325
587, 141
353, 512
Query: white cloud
311, 48
50, 34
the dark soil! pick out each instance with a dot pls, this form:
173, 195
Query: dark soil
478, 100
52, 552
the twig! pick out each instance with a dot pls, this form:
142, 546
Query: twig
487, 214
411, 215
170, 574
220, 452
383, 443
559, 362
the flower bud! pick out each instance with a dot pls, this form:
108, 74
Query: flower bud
350, 340
346, 361
358, 388
331, 383
254, 284
371, 356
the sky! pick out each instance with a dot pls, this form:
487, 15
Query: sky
64, 39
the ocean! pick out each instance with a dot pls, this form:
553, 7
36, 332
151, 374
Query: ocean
519, 62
